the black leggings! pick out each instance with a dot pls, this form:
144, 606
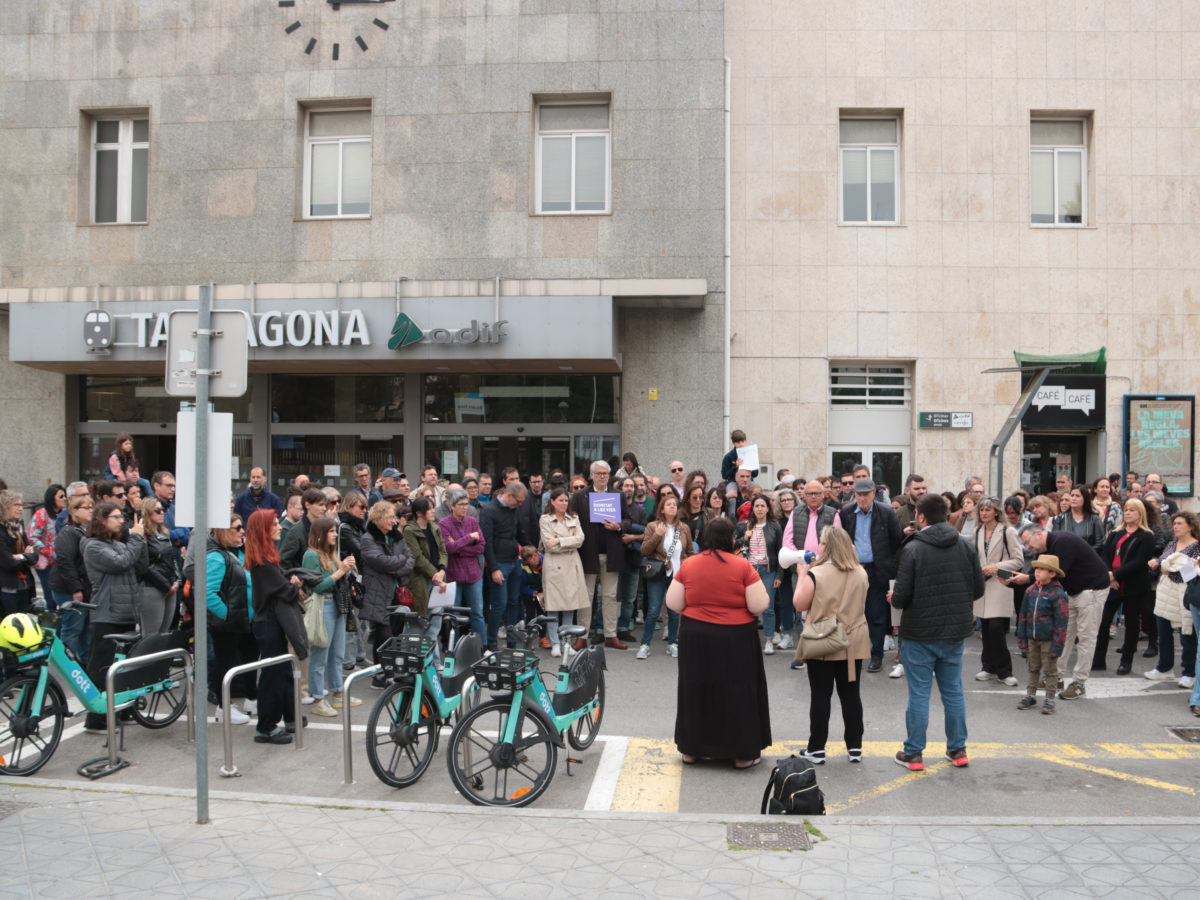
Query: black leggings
381, 632
823, 676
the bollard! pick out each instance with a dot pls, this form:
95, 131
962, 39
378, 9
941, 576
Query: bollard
346, 749
229, 770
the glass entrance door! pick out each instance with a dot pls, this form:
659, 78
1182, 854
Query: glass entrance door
1046, 456
889, 465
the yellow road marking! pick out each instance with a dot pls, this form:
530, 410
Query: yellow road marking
650, 778
994, 750
1111, 773
880, 789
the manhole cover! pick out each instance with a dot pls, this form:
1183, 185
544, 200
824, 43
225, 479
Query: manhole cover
1186, 733
8, 807
770, 836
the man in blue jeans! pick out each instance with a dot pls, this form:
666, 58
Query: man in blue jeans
937, 582
501, 550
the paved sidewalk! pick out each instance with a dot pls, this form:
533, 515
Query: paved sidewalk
100, 841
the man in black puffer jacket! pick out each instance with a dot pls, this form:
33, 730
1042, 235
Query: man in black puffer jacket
937, 582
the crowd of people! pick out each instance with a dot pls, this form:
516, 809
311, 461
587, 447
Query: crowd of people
731, 572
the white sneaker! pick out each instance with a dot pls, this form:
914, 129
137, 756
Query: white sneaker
1187, 681
785, 642
643, 652
897, 671
984, 676
306, 700
889, 643
322, 708
250, 707
554, 651
236, 716
1011, 681
1155, 675
768, 647
673, 649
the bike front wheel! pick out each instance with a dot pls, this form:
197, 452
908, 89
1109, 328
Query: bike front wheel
28, 736
489, 772
398, 749
583, 730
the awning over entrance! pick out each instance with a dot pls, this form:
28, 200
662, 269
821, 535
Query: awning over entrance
1093, 363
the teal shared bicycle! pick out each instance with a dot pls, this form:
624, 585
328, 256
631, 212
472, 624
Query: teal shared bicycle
33, 706
405, 723
504, 752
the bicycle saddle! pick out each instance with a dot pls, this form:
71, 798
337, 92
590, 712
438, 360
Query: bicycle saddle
127, 637
573, 630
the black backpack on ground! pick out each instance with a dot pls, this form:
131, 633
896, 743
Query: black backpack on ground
792, 790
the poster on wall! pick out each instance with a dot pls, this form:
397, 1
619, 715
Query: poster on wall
1160, 437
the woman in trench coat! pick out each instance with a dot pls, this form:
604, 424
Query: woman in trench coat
563, 585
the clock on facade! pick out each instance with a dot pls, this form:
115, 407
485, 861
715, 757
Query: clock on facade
356, 12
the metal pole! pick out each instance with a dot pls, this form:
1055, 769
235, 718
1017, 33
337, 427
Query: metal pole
1011, 424
200, 533
346, 749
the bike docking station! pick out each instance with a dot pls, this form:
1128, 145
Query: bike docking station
347, 743
103, 766
229, 770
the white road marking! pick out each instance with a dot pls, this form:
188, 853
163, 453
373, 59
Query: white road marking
608, 772
1110, 689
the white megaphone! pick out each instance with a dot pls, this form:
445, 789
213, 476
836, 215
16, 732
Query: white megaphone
789, 557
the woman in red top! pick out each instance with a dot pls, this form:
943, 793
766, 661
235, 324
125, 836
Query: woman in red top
722, 709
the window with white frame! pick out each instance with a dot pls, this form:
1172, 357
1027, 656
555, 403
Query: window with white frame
120, 168
870, 169
337, 163
1058, 171
573, 158
872, 386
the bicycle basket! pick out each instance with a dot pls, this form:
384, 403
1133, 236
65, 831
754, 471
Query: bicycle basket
10, 659
406, 654
506, 670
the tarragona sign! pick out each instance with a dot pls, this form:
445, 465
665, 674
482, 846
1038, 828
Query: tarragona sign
329, 328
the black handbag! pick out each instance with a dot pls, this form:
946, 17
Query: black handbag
1191, 594
654, 568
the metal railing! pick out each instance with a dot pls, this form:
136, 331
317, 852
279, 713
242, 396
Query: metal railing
229, 770
346, 748
114, 762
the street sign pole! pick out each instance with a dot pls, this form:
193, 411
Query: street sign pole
200, 533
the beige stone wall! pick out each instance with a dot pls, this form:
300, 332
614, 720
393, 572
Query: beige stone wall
964, 280
34, 434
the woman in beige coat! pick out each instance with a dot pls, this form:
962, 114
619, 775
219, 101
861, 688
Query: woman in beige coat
564, 588
835, 585
999, 548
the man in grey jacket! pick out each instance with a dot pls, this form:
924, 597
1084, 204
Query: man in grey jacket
937, 582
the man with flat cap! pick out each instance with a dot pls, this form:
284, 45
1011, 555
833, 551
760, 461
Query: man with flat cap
875, 531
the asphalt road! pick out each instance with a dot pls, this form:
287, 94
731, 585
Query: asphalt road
1109, 755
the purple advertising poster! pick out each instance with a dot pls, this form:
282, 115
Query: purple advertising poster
604, 507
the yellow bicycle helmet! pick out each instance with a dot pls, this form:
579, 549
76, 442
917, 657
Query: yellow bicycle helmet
20, 633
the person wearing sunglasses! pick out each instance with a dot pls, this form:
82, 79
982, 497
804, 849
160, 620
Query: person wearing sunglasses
228, 599
678, 479
160, 584
115, 560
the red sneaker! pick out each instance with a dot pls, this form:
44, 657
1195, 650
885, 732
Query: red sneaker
959, 757
913, 763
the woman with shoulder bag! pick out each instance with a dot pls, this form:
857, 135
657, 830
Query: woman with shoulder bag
17, 557
668, 542
564, 588
760, 537
69, 579
42, 531
386, 558
332, 598
115, 560
278, 622
352, 520
424, 539
161, 581
230, 611
999, 548
834, 586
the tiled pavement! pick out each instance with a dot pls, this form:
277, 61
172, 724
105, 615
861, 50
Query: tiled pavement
99, 841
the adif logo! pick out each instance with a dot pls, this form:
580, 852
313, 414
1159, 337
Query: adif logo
404, 333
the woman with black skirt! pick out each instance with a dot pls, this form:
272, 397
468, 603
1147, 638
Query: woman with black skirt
722, 709
1127, 552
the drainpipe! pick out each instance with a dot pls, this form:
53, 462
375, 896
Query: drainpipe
725, 418
496, 311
